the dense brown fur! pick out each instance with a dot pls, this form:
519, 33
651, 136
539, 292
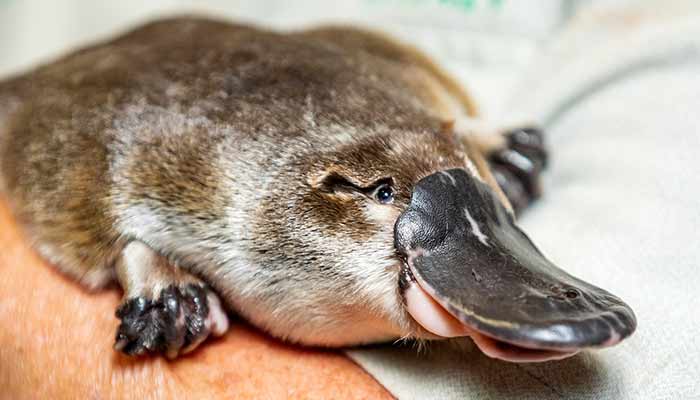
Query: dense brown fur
55, 343
214, 145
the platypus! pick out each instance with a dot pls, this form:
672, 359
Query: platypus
332, 186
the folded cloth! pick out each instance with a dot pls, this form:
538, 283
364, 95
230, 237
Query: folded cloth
619, 94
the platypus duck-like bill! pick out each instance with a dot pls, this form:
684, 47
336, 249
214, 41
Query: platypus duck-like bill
470, 271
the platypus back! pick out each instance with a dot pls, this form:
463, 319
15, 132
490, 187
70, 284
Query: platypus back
322, 184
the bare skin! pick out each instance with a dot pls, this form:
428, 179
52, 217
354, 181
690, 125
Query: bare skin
38, 357
184, 217
328, 186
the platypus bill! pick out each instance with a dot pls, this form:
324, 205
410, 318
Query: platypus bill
332, 186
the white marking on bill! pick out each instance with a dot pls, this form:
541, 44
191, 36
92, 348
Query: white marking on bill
475, 228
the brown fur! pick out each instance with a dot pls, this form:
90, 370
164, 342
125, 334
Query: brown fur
56, 343
212, 143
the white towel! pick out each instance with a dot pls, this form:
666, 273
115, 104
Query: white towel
619, 92
620, 95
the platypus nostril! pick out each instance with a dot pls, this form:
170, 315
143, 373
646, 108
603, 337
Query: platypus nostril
562, 294
507, 290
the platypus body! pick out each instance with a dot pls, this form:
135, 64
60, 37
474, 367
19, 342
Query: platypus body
327, 185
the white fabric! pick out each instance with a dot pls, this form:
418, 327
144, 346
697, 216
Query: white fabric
621, 210
620, 94
501, 36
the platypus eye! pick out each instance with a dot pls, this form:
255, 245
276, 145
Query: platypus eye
381, 190
384, 194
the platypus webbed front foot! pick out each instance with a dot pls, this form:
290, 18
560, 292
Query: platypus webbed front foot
517, 166
165, 310
174, 323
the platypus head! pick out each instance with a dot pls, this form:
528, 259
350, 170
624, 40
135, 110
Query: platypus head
397, 235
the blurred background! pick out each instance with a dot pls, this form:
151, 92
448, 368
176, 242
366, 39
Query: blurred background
486, 43
616, 84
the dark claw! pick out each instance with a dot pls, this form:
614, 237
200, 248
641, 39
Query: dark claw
197, 312
512, 187
166, 325
517, 167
